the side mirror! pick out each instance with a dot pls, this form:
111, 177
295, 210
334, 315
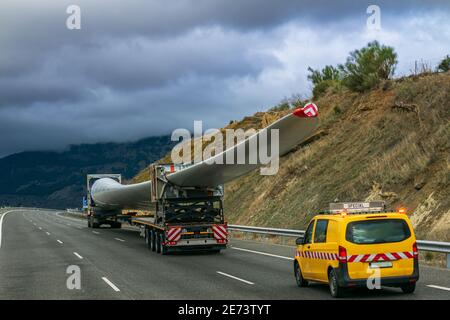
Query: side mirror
299, 241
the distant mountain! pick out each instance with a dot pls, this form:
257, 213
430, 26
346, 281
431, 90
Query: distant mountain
57, 179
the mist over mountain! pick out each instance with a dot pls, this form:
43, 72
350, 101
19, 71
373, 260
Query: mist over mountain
57, 179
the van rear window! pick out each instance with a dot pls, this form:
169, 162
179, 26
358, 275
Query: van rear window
377, 231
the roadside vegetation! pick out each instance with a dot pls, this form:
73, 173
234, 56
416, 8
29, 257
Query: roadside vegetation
379, 138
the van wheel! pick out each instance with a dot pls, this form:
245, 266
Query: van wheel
408, 288
301, 282
335, 289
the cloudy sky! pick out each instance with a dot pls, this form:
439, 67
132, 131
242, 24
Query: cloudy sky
142, 68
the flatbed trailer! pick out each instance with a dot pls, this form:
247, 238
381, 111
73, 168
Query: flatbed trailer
182, 236
184, 219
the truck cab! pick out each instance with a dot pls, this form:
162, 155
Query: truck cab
358, 245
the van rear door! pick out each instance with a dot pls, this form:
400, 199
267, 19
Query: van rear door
385, 244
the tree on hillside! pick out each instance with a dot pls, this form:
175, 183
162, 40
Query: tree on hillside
367, 66
324, 79
444, 65
327, 73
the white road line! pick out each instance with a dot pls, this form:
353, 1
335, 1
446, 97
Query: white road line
263, 253
233, 277
112, 285
48, 233
1, 224
80, 257
438, 287
40, 228
95, 232
118, 239
60, 241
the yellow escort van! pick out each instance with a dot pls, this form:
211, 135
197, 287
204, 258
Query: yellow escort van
358, 244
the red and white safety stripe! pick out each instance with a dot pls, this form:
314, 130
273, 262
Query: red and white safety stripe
174, 234
318, 255
393, 256
220, 231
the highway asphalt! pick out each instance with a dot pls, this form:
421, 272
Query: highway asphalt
37, 247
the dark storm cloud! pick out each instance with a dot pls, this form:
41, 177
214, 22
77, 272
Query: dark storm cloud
138, 68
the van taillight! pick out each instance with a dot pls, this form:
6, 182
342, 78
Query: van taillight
415, 251
342, 254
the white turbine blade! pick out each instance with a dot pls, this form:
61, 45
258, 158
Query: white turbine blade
293, 129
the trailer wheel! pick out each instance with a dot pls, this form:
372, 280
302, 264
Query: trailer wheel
152, 240
148, 238
163, 248
116, 225
158, 243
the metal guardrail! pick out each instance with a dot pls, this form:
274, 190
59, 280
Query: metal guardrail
423, 245
434, 246
267, 231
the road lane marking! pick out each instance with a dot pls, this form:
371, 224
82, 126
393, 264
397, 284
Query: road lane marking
438, 287
118, 239
263, 253
95, 232
1, 224
40, 228
112, 285
60, 241
48, 233
235, 278
80, 257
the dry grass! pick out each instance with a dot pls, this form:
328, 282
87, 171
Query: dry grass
392, 142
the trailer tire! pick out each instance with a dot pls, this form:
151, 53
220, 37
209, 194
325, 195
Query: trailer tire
152, 240
158, 242
148, 238
116, 225
163, 248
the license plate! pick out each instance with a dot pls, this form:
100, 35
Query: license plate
381, 264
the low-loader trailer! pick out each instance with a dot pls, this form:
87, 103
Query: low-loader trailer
183, 219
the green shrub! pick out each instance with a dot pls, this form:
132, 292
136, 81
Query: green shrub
444, 65
366, 67
322, 80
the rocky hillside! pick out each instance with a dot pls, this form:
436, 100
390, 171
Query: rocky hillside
390, 143
57, 179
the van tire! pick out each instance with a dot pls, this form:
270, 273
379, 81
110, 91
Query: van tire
408, 288
301, 282
335, 290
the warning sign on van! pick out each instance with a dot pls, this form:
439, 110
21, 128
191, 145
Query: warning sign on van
354, 207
